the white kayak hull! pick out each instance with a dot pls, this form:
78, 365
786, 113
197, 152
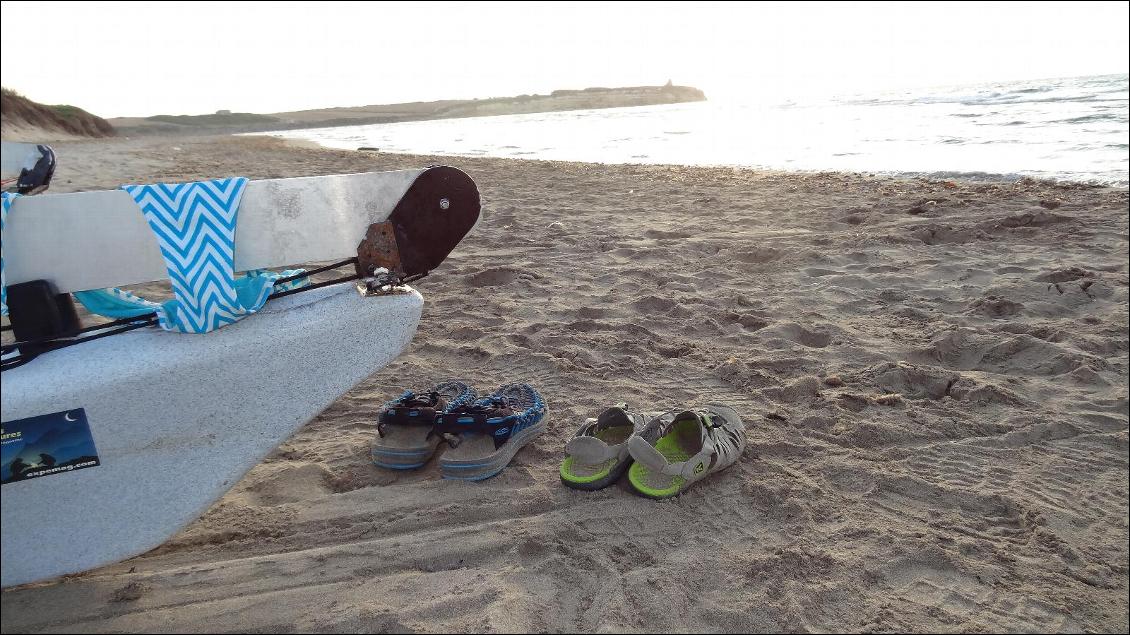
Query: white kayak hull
178, 419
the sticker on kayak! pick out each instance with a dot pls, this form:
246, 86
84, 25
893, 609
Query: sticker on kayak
45, 445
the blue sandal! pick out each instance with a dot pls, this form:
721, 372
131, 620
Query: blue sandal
485, 435
406, 438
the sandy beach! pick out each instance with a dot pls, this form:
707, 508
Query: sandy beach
933, 376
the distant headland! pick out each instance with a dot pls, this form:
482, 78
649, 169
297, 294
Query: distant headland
558, 100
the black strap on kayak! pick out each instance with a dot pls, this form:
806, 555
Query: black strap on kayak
32, 348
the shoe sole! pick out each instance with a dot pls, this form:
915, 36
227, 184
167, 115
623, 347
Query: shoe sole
603, 482
484, 469
401, 459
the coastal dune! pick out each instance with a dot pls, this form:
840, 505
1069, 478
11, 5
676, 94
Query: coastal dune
24, 120
933, 377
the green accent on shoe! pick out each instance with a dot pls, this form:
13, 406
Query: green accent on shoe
668, 446
569, 471
568, 475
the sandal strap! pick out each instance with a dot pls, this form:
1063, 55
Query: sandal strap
591, 450
410, 409
498, 423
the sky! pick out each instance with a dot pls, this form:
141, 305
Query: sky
141, 59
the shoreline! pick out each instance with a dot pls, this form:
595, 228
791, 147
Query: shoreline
133, 146
954, 176
990, 494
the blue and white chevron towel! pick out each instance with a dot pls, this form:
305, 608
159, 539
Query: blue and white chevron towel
195, 228
8, 197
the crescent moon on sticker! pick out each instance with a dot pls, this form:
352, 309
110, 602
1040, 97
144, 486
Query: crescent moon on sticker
68, 417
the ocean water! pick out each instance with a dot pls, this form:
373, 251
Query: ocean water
1073, 129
